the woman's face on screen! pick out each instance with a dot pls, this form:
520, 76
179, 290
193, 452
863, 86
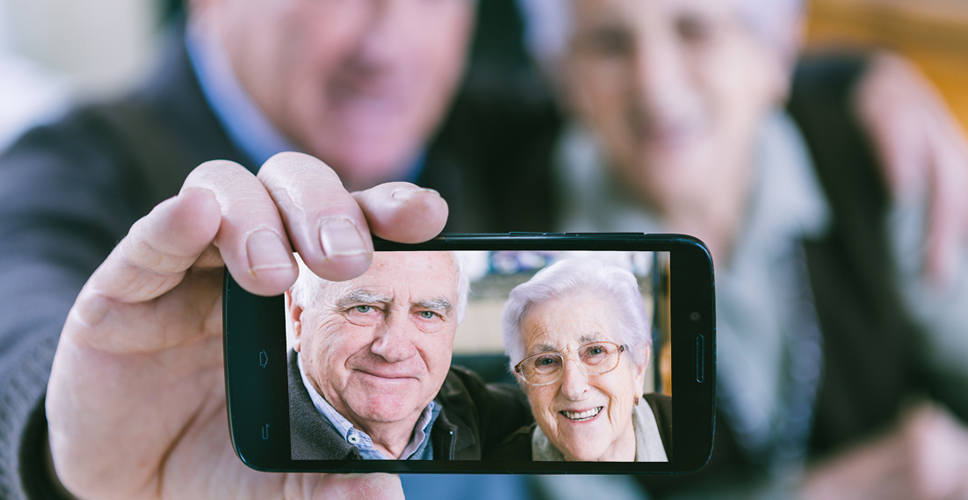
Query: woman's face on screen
587, 417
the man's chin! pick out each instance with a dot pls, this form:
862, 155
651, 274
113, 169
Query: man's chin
362, 163
384, 399
387, 409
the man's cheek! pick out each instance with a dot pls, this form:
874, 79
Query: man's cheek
435, 352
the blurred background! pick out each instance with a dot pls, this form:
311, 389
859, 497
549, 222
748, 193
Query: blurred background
53, 50
932, 33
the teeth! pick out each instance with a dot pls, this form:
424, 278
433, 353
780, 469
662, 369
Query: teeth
585, 415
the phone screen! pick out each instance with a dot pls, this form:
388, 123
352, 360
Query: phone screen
541, 353
574, 365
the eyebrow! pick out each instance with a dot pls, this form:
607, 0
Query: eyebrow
591, 337
435, 304
362, 296
540, 348
584, 339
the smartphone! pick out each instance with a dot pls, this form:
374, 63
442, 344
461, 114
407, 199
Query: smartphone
482, 353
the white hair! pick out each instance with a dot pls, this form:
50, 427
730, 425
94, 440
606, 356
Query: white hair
309, 289
548, 25
572, 277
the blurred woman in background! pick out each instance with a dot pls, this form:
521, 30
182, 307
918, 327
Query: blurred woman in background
826, 328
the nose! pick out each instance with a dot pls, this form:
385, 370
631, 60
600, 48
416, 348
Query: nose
381, 38
659, 74
393, 340
574, 380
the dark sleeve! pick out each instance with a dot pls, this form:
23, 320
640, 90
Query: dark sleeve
821, 104
63, 206
514, 448
501, 409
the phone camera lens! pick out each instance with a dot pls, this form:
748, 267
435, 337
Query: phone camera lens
695, 317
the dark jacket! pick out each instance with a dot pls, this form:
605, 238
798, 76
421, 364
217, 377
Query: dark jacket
517, 447
474, 417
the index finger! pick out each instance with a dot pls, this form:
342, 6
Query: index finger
324, 222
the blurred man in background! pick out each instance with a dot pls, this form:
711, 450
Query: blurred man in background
251, 79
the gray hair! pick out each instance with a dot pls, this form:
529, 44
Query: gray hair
308, 289
571, 277
548, 25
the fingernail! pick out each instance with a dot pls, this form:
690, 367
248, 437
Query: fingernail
266, 251
341, 238
405, 193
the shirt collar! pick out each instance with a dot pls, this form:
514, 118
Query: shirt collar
417, 449
246, 125
787, 201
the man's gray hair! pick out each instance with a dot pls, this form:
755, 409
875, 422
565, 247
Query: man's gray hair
309, 289
572, 277
548, 25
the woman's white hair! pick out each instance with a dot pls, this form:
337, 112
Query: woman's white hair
572, 277
548, 25
309, 289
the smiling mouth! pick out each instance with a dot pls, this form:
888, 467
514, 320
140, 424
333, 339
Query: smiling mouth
585, 415
388, 376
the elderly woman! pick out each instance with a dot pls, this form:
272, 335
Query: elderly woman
825, 327
579, 341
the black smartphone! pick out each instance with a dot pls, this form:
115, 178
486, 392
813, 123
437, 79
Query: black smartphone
482, 353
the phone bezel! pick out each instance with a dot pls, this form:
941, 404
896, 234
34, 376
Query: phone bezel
258, 401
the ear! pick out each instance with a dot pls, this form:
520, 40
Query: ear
570, 96
638, 371
294, 317
785, 54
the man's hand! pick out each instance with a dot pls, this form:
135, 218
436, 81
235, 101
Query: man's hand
923, 150
925, 457
136, 400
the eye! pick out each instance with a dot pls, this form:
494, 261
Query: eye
545, 361
594, 353
696, 28
363, 309
606, 41
428, 314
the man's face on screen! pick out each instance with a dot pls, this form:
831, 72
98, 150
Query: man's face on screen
361, 84
378, 347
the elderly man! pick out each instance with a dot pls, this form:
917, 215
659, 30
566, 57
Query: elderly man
370, 374
362, 84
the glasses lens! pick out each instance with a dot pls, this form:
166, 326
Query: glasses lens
596, 358
599, 357
542, 368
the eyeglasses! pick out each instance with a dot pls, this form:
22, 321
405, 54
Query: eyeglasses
597, 358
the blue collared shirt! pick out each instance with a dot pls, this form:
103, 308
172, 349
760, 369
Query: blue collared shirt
417, 449
247, 126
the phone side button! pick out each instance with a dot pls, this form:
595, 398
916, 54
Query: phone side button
700, 359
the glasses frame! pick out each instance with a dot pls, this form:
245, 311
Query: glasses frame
520, 374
